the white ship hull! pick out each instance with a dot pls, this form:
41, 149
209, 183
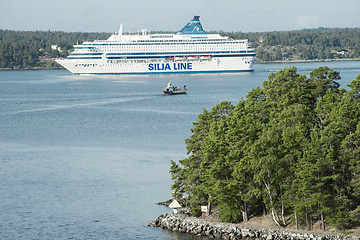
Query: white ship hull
215, 65
191, 50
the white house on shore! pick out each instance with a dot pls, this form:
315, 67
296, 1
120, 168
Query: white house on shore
175, 205
56, 48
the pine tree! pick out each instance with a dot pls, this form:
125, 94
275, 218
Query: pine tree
293, 146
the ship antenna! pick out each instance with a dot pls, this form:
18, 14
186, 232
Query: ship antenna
121, 30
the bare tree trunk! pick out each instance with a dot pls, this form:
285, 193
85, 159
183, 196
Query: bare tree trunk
283, 212
307, 220
264, 210
209, 208
296, 221
244, 211
273, 213
322, 221
274, 217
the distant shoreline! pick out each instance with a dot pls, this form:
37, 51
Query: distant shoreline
256, 62
33, 68
302, 61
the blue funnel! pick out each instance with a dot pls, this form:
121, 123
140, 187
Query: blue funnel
192, 27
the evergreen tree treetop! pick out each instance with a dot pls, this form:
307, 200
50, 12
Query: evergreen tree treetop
292, 147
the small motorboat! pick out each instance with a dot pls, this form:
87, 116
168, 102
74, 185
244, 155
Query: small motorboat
173, 90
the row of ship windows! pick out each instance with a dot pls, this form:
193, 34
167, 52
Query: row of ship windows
132, 64
198, 41
216, 47
162, 43
168, 49
161, 50
168, 53
171, 53
141, 58
192, 39
153, 54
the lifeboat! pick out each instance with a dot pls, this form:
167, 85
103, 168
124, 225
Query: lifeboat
192, 57
180, 58
207, 57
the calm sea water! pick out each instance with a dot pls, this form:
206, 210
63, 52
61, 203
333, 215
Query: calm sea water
87, 157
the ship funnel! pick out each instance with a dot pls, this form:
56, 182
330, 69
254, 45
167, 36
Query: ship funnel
192, 27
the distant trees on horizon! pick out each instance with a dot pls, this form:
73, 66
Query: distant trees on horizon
308, 44
32, 49
28, 49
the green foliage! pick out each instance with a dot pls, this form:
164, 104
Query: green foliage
23, 49
229, 213
307, 44
292, 146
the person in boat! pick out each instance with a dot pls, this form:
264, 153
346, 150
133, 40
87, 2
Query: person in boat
170, 88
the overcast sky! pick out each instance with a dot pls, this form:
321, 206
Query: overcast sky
164, 15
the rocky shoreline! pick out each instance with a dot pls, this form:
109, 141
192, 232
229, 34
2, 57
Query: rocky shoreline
185, 224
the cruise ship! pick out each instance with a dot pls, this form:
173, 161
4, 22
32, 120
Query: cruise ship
191, 50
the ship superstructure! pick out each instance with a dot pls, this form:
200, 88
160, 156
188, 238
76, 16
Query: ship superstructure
191, 50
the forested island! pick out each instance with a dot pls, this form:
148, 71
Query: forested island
37, 49
310, 44
291, 149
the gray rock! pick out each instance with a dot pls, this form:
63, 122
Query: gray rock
184, 223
